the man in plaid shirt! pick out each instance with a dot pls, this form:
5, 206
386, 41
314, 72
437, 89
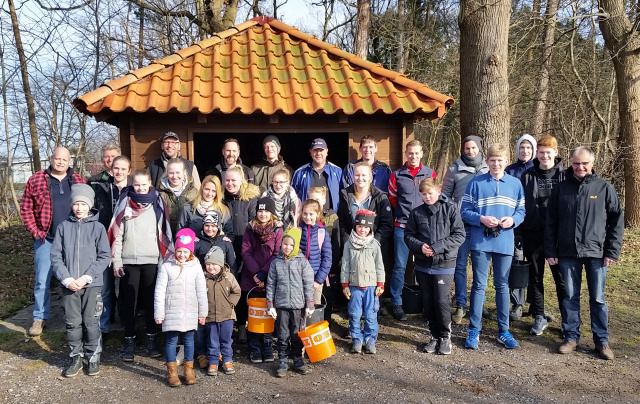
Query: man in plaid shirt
46, 203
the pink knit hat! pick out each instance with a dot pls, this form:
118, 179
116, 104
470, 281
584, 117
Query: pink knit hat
186, 238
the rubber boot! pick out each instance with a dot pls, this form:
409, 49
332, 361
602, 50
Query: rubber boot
128, 351
189, 376
172, 374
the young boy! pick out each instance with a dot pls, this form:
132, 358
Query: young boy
492, 206
434, 233
79, 255
223, 294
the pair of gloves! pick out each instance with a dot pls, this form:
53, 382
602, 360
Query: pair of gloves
347, 292
273, 313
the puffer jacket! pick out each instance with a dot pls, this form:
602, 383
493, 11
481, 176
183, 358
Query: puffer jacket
290, 283
320, 259
383, 222
181, 295
257, 256
362, 267
204, 243
243, 209
175, 204
223, 294
194, 221
81, 248
441, 227
458, 176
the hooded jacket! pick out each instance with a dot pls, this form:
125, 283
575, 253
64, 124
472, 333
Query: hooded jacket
204, 243
457, 178
290, 283
516, 169
257, 256
538, 185
243, 209
223, 294
320, 257
81, 247
175, 203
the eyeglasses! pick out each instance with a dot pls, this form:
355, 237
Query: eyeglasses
578, 164
279, 182
170, 143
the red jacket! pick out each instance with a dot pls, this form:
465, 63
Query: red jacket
35, 207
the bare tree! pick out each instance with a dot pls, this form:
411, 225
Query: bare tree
363, 22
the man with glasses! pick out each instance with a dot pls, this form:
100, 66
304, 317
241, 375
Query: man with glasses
171, 149
583, 228
45, 204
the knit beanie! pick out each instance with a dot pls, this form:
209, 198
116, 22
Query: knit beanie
185, 238
365, 217
266, 203
475, 139
213, 217
295, 234
215, 256
272, 139
82, 193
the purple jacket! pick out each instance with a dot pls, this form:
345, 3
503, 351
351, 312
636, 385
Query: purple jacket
257, 257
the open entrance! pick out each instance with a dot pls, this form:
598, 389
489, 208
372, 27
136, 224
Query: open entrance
295, 148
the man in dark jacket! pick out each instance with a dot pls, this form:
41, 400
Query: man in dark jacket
270, 164
584, 228
171, 149
231, 158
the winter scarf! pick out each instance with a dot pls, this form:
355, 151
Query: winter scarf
472, 161
264, 231
358, 241
285, 205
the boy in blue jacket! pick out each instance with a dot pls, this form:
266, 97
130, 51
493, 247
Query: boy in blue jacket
492, 206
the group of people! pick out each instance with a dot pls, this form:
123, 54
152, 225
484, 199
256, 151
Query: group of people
189, 252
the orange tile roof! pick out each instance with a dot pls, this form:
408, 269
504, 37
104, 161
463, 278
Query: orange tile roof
264, 65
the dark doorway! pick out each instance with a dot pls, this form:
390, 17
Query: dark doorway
295, 148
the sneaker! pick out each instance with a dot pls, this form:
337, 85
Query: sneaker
444, 346
473, 337
398, 313
458, 314
516, 312
213, 370
36, 328
604, 352
74, 367
128, 351
202, 361
228, 369
93, 369
539, 325
283, 366
370, 348
299, 366
356, 347
431, 346
567, 346
255, 356
507, 340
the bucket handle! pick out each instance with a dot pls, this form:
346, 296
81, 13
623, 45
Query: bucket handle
249, 292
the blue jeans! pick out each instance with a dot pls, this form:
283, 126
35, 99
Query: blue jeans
460, 276
401, 252
362, 302
501, 268
41, 292
219, 341
596, 273
108, 293
172, 343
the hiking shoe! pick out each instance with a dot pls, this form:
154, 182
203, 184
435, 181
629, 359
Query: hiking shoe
128, 351
228, 368
202, 361
283, 366
36, 328
74, 367
299, 366
516, 312
444, 346
370, 348
539, 325
152, 346
93, 369
356, 346
255, 356
398, 313
473, 337
605, 352
567, 346
431, 346
213, 370
506, 339
458, 314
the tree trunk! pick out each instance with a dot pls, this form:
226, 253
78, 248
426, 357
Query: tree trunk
5, 113
623, 43
540, 104
401, 21
361, 45
484, 80
31, 112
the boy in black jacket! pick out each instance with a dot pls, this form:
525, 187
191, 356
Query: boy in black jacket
434, 232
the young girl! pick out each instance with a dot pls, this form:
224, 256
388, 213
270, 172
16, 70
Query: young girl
315, 244
209, 198
180, 304
176, 189
223, 293
285, 198
140, 237
289, 299
260, 245
362, 279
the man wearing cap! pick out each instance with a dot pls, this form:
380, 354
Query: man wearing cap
381, 171
271, 163
231, 158
45, 204
171, 149
318, 173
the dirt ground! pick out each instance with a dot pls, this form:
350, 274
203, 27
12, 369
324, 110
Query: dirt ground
30, 371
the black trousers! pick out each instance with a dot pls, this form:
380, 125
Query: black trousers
138, 278
288, 324
436, 302
533, 251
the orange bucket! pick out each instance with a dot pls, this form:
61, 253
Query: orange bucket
317, 341
260, 321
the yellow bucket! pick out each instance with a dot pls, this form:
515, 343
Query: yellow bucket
260, 321
317, 341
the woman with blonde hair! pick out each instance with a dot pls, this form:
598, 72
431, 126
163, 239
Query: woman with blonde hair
209, 198
177, 189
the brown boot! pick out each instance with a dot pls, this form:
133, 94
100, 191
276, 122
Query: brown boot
189, 376
172, 374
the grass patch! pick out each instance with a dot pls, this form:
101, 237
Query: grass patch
18, 274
